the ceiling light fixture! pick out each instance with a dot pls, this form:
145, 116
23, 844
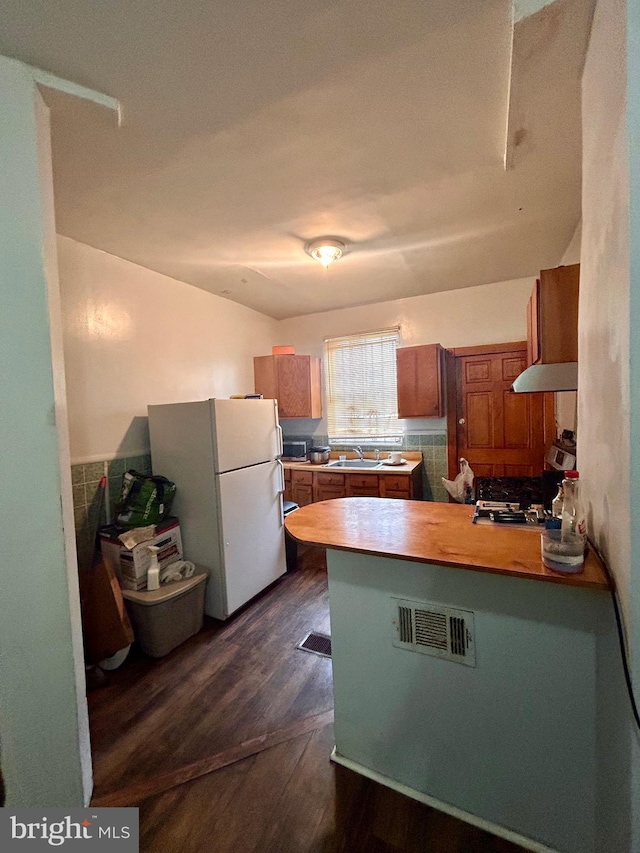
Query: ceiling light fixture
326, 250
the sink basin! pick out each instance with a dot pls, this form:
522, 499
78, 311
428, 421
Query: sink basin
354, 463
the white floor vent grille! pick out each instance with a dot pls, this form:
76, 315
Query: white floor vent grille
433, 629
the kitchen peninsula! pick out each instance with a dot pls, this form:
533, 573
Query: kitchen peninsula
507, 733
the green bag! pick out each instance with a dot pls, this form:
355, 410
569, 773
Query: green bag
144, 500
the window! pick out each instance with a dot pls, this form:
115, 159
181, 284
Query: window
362, 389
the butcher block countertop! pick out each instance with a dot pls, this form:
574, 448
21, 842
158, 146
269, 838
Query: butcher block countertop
438, 533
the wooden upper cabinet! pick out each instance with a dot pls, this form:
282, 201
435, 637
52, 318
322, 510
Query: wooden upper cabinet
292, 380
552, 316
420, 386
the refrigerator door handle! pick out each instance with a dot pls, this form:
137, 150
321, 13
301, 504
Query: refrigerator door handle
282, 484
281, 509
280, 440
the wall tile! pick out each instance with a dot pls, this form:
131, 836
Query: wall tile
116, 468
427, 454
141, 464
93, 471
77, 474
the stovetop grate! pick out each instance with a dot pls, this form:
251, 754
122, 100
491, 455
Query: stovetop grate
522, 490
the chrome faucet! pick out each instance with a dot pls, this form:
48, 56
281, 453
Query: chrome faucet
377, 455
357, 449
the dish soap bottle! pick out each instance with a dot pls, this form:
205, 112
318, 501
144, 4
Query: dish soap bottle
153, 575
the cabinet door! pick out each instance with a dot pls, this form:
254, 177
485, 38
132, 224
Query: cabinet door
363, 485
301, 494
395, 486
264, 377
302, 487
420, 381
558, 314
327, 485
292, 380
326, 493
533, 326
294, 386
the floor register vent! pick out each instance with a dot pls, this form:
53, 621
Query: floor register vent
319, 644
433, 629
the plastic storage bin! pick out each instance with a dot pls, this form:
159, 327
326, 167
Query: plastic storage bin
166, 617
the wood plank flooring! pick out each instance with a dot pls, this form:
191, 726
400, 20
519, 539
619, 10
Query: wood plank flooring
224, 744
232, 682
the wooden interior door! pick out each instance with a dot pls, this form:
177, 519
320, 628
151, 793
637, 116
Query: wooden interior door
500, 433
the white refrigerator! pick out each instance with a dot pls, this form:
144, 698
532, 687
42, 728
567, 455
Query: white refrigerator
223, 457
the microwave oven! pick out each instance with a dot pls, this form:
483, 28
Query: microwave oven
561, 459
294, 450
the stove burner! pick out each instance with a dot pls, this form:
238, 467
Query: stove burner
522, 490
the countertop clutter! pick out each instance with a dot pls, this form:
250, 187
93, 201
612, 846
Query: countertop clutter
411, 460
436, 533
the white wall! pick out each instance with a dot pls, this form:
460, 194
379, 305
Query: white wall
603, 404
566, 401
511, 741
134, 337
608, 371
44, 737
487, 314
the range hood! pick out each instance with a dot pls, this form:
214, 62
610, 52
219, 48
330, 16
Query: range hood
548, 377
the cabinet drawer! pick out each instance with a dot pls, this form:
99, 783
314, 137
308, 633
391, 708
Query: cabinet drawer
330, 479
287, 475
395, 494
361, 492
302, 477
326, 493
363, 481
395, 481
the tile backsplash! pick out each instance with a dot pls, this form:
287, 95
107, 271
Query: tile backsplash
433, 447
89, 507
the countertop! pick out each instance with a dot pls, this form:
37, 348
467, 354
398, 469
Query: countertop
428, 532
413, 460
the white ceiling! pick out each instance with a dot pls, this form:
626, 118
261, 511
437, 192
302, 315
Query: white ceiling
251, 127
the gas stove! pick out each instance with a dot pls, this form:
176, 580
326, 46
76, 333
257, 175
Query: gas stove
523, 491
515, 500
507, 512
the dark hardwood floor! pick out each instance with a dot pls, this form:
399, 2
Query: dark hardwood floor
224, 744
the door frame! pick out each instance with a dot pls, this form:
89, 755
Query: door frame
452, 378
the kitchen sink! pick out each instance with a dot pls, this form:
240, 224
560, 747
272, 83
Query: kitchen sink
355, 463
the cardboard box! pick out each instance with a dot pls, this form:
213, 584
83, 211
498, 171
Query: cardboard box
131, 566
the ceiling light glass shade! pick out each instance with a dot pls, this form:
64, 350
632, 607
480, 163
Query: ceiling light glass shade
326, 250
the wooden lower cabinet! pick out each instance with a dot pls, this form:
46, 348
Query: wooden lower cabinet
394, 486
328, 486
305, 487
363, 485
302, 487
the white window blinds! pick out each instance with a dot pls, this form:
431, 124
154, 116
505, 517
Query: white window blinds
361, 381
